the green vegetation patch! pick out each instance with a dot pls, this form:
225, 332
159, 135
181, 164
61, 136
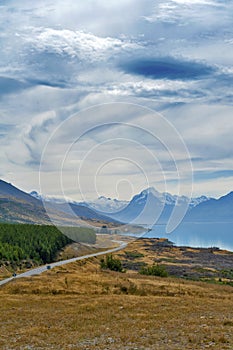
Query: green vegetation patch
227, 273
111, 263
154, 270
134, 255
39, 243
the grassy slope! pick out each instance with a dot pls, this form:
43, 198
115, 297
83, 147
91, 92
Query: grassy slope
77, 306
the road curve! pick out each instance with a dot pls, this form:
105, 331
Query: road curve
40, 269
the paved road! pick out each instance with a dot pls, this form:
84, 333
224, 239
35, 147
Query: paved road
44, 268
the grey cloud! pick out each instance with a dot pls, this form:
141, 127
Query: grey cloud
167, 68
10, 85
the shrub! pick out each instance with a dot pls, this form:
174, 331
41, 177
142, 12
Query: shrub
111, 263
134, 255
154, 270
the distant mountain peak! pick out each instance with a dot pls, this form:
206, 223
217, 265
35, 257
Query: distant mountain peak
149, 190
106, 204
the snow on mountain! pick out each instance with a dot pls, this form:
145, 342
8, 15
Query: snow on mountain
198, 200
52, 199
109, 205
106, 205
167, 198
150, 205
145, 207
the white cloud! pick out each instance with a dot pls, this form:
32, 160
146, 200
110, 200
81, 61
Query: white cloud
185, 11
77, 43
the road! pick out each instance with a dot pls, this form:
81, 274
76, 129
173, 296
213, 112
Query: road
44, 268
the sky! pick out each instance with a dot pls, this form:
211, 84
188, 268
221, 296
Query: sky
111, 97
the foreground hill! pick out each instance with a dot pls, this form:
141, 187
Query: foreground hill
101, 309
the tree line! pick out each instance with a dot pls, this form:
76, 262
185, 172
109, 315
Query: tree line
39, 243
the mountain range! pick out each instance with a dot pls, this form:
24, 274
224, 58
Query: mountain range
145, 208
150, 205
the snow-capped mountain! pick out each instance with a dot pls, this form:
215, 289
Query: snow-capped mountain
143, 208
106, 205
168, 198
151, 206
174, 199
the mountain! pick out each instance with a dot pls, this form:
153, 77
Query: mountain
18, 206
106, 205
7, 190
142, 209
214, 210
101, 204
151, 206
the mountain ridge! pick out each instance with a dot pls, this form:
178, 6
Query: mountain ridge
19, 206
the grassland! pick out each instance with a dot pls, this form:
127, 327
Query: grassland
80, 306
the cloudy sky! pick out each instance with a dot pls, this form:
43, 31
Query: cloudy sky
110, 97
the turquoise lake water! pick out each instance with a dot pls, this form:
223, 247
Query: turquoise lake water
204, 235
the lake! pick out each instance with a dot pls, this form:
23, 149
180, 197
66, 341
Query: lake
203, 235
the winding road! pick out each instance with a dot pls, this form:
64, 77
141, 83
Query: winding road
44, 268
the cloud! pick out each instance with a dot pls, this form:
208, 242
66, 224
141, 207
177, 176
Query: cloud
185, 12
77, 44
10, 85
204, 175
59, 58
167, 68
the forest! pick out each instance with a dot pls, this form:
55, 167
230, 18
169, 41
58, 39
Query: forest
39, 243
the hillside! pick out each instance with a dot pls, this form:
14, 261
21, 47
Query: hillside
102, 309
20, 207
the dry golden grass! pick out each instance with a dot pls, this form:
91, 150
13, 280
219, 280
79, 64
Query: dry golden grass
78, 306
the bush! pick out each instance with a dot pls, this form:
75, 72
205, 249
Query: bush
154, 270
134, 255
111, 263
